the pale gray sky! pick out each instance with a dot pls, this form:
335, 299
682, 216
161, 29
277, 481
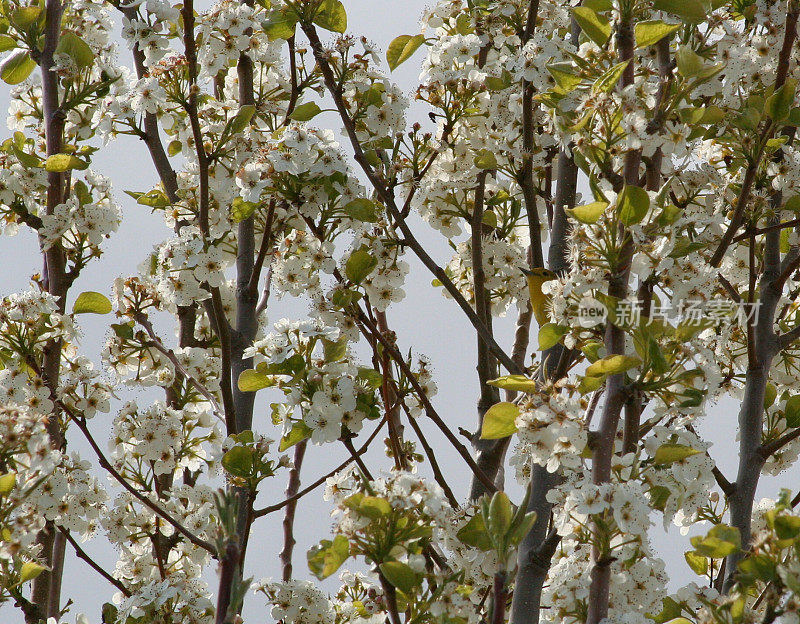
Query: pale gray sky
425, 320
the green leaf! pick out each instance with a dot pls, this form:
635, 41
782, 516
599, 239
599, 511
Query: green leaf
770, 394
595, 26
498, 421
239, 461
344, 297
7, 43
305, 112
402, 48
334, 350
655, 354
522, 528
400, 575
609, 80
174, 147
16, 67
372, 507
7, 483
793, 203
299, 432
360, 264
474, 533
91, 302
612, 365
564, 75
690, 11
29, 571
485, 159
632, 204
362, 209
698, 563
588, 213
550, 335
328, 556
515, 383
667, 454
241, 209
242, 118
64, 162
331, 16
372, 378
787, 527
780, 103
76, 48
24, 17
108, 613
280, 24
501, 513
791, 411
689, 62
123, 330
252, 380
721, 541
652, 31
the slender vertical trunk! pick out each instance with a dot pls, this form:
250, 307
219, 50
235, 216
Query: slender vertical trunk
288, 519
489, 453
47, 586
616, 392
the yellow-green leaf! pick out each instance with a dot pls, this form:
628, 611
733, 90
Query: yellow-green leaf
7, 483
400, 575
299, 432
332, 16
241, 209
612, 365
24, 17
64, 162
698, 563
238, 461
305, 112
76, 48
29, 571
91, 302
550, 334
515, 383
485, 159
280, 24
652, 31
595, 26
327, 557
16, 67
7, 43
670, 453
632, 204
474, 533
242, 118
588, 213
252, 380
609, 80
780, 103
689, 62
362, 209
498, 421
690, 11
359, 265
402, 48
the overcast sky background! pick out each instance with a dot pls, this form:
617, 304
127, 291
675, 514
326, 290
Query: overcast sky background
425, 321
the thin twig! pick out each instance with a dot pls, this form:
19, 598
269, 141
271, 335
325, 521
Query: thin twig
81, 554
